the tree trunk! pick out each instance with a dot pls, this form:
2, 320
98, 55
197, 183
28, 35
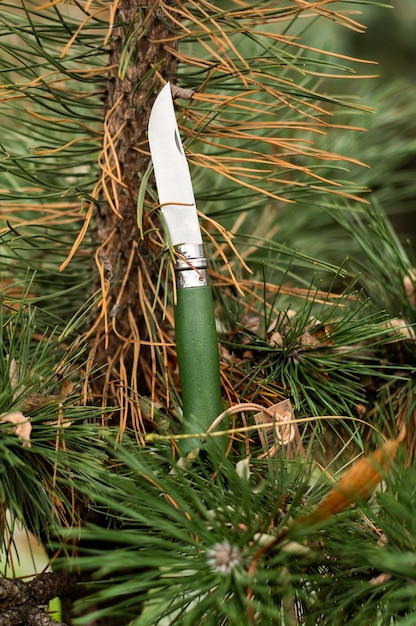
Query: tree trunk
129, 265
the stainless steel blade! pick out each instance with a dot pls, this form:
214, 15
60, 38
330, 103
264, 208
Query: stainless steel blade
173, 180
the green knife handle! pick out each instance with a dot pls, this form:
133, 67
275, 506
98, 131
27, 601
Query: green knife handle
198, 361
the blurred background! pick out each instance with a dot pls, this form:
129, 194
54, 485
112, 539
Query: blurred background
390, 40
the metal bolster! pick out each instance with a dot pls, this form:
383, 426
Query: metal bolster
191, 266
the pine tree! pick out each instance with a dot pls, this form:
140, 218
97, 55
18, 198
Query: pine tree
314, 299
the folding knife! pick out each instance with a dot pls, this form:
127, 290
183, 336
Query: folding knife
195, 331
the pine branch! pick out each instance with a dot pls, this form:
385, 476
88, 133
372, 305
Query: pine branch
198, 546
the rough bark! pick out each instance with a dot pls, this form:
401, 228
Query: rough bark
141, 26
25, 604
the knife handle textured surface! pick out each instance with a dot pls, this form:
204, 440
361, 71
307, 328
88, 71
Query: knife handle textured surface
198, 361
